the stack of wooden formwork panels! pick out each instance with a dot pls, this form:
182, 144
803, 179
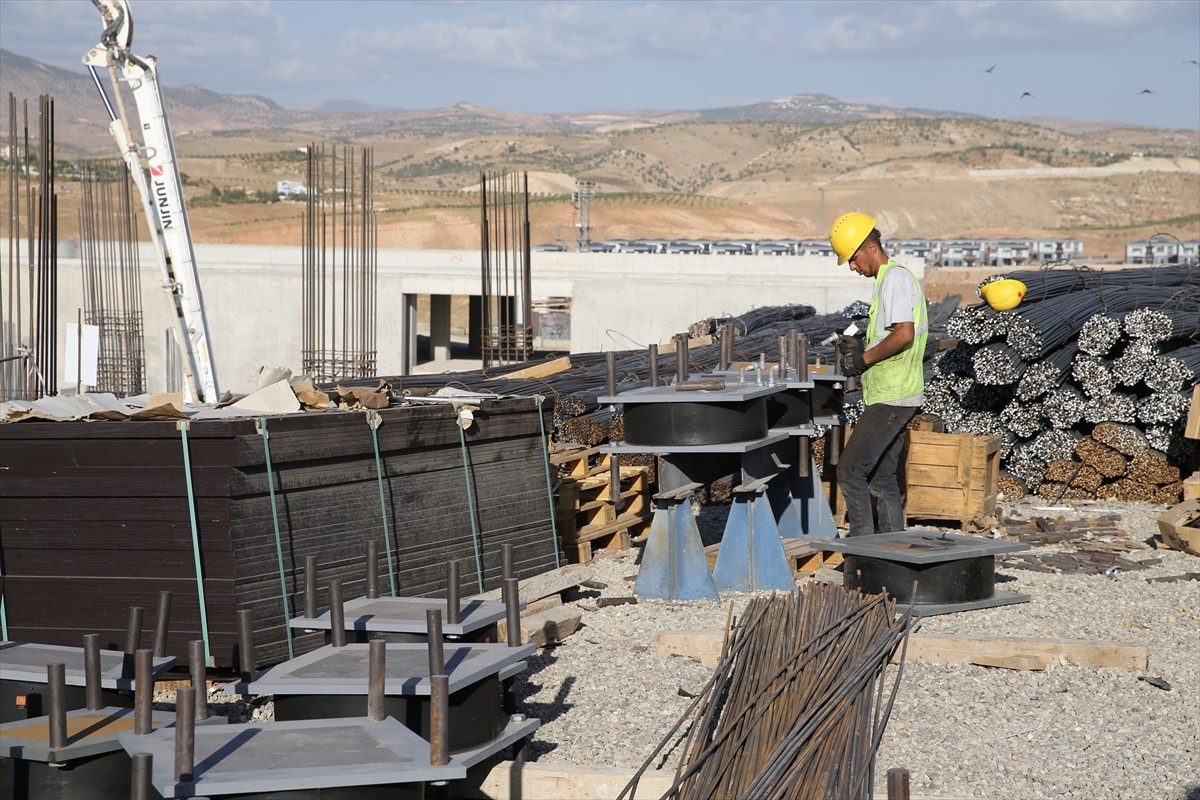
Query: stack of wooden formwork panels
95, 517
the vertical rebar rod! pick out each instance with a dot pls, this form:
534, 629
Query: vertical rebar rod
376, 679
140, 777
246, 655
681, 359
310, 587
433, 635
162, 624
372, 569
453, 602
56, 688
337, 614
512, 608
610, 373
91, 671
185, 733
506, 561
653, 365
439, 720
143, 692
802, 356
133, 629
199, 676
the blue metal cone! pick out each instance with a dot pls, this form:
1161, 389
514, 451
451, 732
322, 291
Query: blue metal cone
802, 512
751, 556
673, 563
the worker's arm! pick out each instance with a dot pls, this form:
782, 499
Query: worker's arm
901, 336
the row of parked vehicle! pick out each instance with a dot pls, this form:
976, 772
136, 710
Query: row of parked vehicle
725, 247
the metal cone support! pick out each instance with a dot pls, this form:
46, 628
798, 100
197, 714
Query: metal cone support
751, 557
674, 566
801, 507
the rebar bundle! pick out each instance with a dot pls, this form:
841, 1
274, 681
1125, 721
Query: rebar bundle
29, 316
1113, 352
340, 265
797, 705
112, 293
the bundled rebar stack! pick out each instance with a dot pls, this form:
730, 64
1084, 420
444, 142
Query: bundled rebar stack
797, 705
1086, 350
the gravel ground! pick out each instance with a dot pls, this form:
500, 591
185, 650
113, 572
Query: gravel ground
606, 699
962, 731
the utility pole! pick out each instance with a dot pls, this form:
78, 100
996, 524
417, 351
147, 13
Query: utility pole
581, 199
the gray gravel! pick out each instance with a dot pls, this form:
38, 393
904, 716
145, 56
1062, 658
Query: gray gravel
961, 731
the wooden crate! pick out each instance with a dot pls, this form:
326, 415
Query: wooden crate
1191, 487
951, 476
587, 516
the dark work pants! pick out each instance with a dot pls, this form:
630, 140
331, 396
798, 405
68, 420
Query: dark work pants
867, 467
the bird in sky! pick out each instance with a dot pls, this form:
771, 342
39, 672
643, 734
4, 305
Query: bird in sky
989, 69
1146, 91
1024, 95
1193, 61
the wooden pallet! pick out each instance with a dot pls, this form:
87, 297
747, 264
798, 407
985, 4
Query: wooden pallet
804, 556
586, 513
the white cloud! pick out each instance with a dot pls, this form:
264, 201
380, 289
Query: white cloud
908, 27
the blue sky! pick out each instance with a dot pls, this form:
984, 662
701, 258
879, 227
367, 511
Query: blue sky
1086, 59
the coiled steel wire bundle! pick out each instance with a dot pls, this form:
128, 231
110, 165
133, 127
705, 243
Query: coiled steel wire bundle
1116, 407
997, 364
1050, 282
1161, 324
1064, 407
1023, 419
1162, 407
1174, 370
1093, 375
1100, 334
1047, 374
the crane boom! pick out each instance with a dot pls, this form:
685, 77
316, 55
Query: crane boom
162, 197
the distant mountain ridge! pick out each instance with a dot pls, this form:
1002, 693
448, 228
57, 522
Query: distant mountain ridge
81, 119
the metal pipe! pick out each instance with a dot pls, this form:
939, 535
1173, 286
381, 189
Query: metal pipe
376, 679
834, 450
372, 569
897, 784
185, 733
199, 672
141, 773
681, 359
783, 357
133, 629
439, 720
310, 587
245, 624
143, 692
610, 373
723, 348
614, 481
91, 671
162, 624
804, 457
56, 688
453, 602
337, 614
653, 365
433, 631
506, 561
512, 607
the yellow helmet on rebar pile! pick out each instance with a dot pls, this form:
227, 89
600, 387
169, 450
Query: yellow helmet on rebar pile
1003, 295
848, 233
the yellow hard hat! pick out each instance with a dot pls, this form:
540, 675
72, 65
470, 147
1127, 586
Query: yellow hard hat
848, 233
1003, 295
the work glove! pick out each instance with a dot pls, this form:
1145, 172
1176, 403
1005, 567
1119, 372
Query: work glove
851, 362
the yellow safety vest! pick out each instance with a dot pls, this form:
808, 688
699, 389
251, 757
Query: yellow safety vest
901, 376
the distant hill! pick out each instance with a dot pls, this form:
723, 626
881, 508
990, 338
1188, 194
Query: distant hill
80, 115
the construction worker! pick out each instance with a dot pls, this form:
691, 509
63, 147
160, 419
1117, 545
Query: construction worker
893, 383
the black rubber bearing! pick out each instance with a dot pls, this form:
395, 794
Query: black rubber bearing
688, 423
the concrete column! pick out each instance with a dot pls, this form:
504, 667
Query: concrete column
408, 339
439, 326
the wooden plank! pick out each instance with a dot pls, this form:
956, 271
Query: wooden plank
1192, 428
623, 521
702, 646
542, 370
535, 781
929, 648
1031, 662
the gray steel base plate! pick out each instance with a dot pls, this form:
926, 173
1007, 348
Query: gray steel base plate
407, 615
774, 437
287, 756
934, 609
922, 547
89, 733
343, 670
513, 732
27, 661
732, 393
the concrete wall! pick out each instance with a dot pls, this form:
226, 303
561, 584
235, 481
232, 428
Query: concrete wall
253, 298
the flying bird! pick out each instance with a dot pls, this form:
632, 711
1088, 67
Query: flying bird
1193, 61
1024, 95
1146, 91
989, 69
